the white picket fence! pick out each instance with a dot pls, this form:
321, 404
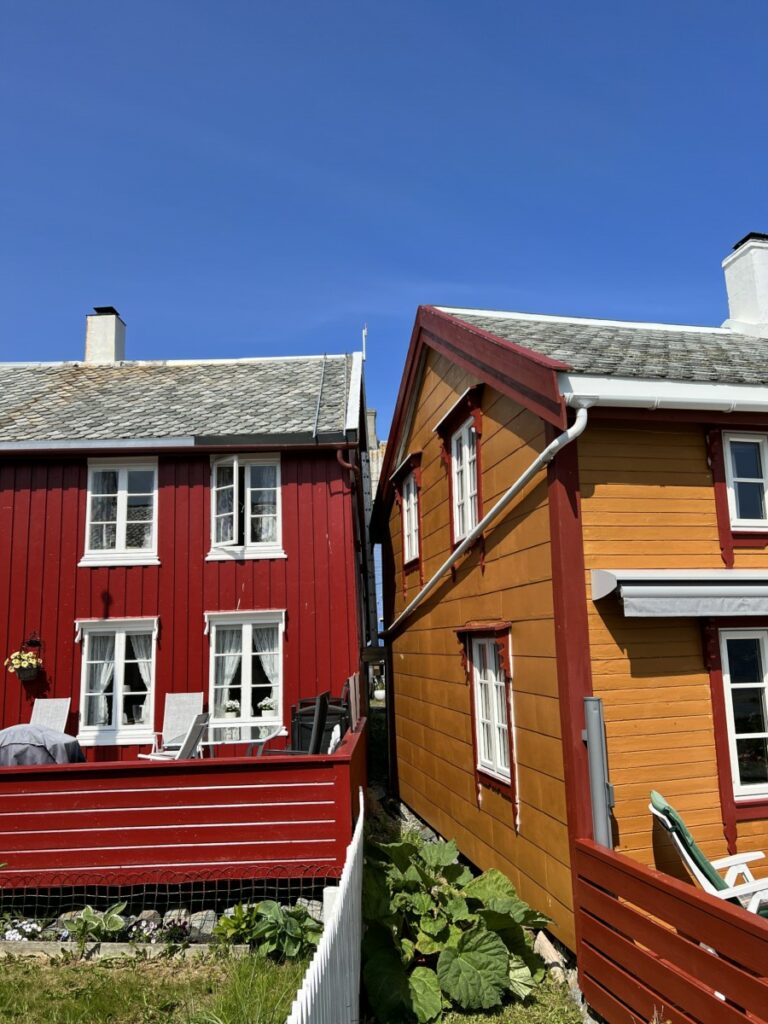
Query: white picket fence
330, 993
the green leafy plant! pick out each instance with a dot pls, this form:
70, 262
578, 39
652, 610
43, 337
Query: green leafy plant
272, 930
98, 926
438, 937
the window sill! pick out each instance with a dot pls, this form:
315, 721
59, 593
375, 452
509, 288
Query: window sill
243, 554
105, 559
103, 738
498, 783
411, 565
749, 808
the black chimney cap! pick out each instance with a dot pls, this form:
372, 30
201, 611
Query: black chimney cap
111, 311
748, 238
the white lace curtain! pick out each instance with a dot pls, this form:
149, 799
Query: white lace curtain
142, 649
101, 651
228, 647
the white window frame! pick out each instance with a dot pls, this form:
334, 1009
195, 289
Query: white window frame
760, 788
489, 761
465, 499
228, 550
731, 480
246, 619
410, 514
120, 554
118, 733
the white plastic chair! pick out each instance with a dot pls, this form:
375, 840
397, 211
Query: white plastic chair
180, 711
190, 746
51, 713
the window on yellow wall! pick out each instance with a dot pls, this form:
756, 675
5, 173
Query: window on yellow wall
744, 656
410, 518
746, 467
464, 476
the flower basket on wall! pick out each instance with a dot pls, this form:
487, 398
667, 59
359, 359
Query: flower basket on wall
26, 662
28, 674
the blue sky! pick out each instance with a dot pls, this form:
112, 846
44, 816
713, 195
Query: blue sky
255, 179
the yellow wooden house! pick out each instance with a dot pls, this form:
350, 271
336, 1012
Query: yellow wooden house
574, 508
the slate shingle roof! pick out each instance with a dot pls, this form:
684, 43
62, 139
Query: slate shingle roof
267, 398
708, 356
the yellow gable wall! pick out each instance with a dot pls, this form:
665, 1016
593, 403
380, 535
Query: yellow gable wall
648, 502
432, 699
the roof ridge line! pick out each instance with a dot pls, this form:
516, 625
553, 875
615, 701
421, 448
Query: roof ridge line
551, 318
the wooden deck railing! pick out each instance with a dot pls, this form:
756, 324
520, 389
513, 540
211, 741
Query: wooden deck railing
651, 945
130, 823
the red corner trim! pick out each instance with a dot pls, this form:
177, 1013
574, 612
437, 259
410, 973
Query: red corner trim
724, 777
574, 670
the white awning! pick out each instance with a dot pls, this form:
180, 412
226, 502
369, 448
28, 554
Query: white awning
675, 593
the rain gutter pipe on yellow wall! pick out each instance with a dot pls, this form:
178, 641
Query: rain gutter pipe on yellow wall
574, 431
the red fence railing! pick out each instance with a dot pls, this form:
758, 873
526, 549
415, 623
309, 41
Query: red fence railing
128, 823
653, 948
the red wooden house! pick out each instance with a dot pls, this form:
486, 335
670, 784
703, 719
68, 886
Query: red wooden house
181, 526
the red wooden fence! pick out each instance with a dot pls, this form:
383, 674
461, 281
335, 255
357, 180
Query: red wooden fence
129, 823
651, 945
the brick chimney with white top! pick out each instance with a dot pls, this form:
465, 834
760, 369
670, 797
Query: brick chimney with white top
746, 281
104, 336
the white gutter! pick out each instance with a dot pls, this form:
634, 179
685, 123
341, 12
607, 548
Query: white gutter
538, 463
91, 443
642, 393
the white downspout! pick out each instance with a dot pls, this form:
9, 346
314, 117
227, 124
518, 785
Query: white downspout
578, 428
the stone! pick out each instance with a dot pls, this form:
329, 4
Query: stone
177, 916
201, 925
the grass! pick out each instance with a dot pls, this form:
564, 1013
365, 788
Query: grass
164, 991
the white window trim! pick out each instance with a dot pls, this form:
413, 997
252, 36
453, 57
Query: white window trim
760, 525
119, 734
463, 433
120, 556
225, 551
410, 515
266, 617
492, 768
739, 790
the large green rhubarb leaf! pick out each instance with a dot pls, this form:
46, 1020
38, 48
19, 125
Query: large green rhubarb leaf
521, 981
496, 892
474, 973
440, 854
426, 998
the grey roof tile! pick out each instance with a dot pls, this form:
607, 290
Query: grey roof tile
614, 350
238, 398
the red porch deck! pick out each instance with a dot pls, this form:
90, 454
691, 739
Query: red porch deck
132, 823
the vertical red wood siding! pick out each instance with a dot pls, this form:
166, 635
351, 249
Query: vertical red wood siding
42, 589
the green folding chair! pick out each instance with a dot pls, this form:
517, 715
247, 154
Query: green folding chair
751, 893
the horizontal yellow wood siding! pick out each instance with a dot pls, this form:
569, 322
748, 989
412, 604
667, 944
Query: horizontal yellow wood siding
436, 760
648, 503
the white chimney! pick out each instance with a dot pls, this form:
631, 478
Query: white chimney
104, 336
746, 281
